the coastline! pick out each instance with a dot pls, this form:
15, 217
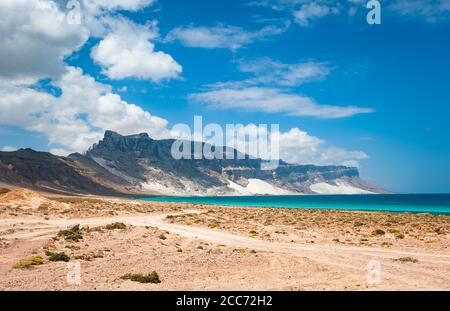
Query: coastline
391, 203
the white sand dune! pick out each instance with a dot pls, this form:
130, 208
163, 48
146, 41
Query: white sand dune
339, 188
258, 187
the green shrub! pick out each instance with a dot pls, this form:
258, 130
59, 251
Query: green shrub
151, 278
58, 257
399, 235
49, 245
116, 226
407, 259
378, 232
33, 261
73, 234
253, 234
84, 257
48, 253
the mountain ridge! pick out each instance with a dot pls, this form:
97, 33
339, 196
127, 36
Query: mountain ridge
140, 165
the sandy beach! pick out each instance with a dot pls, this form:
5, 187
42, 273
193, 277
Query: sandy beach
199, 247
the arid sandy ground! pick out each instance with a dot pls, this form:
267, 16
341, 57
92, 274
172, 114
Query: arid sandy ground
195, 247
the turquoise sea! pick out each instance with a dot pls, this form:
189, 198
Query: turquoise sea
438, 204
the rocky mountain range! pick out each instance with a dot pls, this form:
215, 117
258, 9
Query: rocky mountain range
139, 165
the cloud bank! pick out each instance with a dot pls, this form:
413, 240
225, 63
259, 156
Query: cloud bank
269, 91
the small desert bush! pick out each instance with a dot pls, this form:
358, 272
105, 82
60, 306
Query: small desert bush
33, 261
378, 232
73, 234
253, 234
58, 257
48, 246
116, 226
407, 259
84, 257
151, 278
239, 250
399, 235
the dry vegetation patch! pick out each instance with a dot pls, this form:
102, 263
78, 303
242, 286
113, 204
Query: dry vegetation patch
151, 278
33, 261
309, 226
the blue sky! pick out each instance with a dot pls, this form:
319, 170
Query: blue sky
374, 95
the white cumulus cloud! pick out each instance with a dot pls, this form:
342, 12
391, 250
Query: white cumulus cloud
37, 36
35, 39
298, 147
295, 147
127, 52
